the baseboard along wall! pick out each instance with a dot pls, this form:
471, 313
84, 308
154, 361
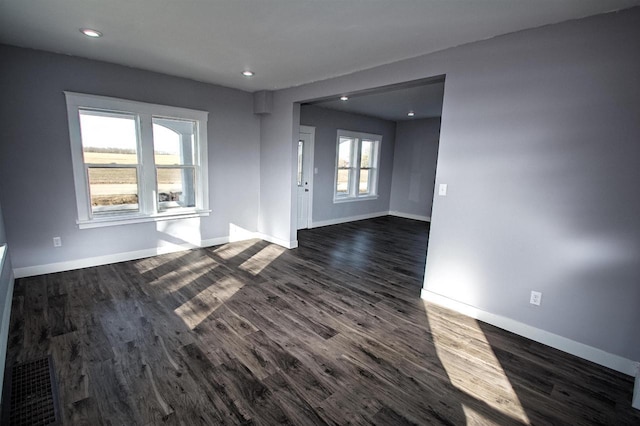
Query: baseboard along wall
590, 353
70, 265
320, 223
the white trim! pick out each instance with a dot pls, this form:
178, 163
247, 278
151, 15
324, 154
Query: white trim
126, 220
6, 314
29, 271
310, 130
410, 216
336, 221
590, 353
144, 114
88, 262
3, 254
279, 241
353, 192
635, 402
351, 199
340, 220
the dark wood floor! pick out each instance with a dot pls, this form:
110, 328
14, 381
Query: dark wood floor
333, 332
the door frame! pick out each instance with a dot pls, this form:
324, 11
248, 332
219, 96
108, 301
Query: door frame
309, 130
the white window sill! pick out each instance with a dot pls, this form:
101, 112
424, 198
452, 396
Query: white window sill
349, 199
125, 219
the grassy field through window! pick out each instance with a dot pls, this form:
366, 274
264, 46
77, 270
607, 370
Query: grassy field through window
119, 186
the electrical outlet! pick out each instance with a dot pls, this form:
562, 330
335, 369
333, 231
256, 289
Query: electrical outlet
57, 242
536, 298
442, 190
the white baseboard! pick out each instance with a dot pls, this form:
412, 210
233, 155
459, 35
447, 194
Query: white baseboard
635, 402
339, 220
320, 223
598, 356
70, 265
271, 239
238, 234
410, 216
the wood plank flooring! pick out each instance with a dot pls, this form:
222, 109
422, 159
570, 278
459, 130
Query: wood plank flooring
333, 332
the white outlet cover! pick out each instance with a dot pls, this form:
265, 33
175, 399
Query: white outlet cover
57, 242
442, 190
536, 298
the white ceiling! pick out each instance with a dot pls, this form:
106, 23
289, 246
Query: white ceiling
286, 42
424, 100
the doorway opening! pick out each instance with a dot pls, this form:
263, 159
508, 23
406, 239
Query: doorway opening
406, 116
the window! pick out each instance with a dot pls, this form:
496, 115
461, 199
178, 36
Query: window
356, 166
300, 161
136, 162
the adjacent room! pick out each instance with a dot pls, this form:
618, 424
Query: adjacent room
337, 212
390, 133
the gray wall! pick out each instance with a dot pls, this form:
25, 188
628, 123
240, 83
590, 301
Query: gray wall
414, 166
539, 146
35, 159
278, 214
327, 122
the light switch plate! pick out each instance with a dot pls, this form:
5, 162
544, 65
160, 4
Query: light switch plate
442, 190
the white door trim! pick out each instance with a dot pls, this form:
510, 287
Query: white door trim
310, 130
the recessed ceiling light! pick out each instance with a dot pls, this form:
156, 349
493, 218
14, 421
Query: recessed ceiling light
91, 33
344, 98
248, 73
411, 113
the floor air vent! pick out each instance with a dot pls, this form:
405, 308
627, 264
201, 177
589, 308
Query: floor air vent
32, 397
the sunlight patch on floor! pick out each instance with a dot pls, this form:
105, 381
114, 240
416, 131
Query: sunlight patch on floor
476, 418
228, 251
148, 264
256, 263
176, 280
203, 304
473, 368
182, 274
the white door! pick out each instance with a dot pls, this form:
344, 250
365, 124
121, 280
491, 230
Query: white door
304, 176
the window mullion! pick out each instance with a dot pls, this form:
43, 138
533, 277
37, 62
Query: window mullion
356, 163
146, 168
86, 168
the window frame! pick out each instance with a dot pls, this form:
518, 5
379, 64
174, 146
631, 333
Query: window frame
353, 185
148, 210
